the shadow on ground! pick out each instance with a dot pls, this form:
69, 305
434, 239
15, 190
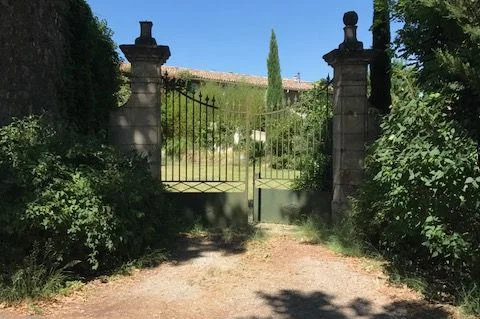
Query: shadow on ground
297, 305
231, 243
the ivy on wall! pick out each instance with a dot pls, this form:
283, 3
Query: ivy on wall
60, 60
91, 74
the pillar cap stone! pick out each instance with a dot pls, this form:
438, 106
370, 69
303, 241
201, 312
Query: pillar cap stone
350, 18
350, 51
145, 47
349, 57
145, 37
153, 53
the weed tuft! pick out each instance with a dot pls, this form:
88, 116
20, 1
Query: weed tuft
470, 300
39, 277
340, 238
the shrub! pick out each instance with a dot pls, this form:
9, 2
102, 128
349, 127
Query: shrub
91, 202
420, 202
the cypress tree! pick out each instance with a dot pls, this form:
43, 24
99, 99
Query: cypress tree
274, 90
380, 69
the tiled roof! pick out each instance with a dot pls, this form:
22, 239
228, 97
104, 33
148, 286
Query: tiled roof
229, 77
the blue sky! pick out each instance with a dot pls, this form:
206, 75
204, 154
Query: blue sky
233, 36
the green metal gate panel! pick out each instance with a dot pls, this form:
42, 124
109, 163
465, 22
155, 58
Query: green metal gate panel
284, 206
216, 209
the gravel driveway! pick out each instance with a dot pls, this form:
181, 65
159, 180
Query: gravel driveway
280, 277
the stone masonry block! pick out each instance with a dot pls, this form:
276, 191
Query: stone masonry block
349, 105
144, 99
145, 87
350, 141
351, 72
359, 90
138, 135
145, 116
145, 69
349, 124
348, 160
120, 117
348, 177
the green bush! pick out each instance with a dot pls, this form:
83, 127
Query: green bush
91, 202
420, 203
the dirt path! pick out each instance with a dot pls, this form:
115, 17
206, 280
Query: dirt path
278, 278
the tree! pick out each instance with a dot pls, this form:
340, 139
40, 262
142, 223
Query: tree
441, 38
380, 69
274, 90
91, 79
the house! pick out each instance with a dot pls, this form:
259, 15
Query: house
292, 87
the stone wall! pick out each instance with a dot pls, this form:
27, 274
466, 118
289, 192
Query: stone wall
31, 56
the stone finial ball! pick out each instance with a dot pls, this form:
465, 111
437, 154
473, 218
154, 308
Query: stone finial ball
350, 18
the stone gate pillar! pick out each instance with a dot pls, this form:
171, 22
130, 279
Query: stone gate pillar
136, 125
350, 117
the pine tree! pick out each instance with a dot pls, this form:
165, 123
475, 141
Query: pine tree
380, 69
274, 90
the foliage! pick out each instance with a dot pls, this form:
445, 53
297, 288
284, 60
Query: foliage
380, 68
124, 90
274, 90
235, 104
314, 153
91, 76
240, 96
420, 201
441, 39
89, 201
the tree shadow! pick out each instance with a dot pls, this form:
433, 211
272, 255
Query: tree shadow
294, 304
225, 241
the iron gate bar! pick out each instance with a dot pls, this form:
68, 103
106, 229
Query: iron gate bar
200, 140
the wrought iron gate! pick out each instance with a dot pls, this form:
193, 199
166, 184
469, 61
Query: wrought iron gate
223, 163
204, 154
294, 137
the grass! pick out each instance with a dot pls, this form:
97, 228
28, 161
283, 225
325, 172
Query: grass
412, 281
470, 300
340, 238
40, 279
37, 278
